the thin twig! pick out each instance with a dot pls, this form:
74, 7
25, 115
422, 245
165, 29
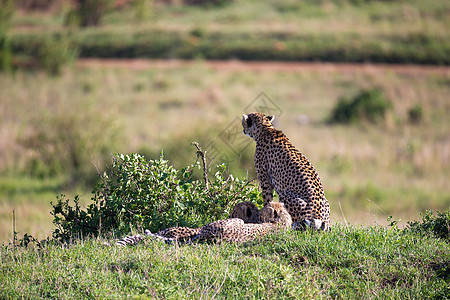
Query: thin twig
104, 195
203, 156
14, 229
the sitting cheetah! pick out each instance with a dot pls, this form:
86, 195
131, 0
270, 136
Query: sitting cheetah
272, 217
281, 167
246, 211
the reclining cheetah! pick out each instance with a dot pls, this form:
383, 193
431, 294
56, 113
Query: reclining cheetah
272, 217
281, 167
246, 211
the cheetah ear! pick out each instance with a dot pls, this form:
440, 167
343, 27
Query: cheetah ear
270, 118
248, 212
247, 120
267, 214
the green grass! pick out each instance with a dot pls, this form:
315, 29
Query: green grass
285, 15
418, 48
30, 199
376, 31
348, 262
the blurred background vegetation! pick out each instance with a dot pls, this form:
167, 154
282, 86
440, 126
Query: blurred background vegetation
377, 134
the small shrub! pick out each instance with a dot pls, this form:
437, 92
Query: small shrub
198, 32
369, 105
55, 52
5, 53
415, 114
152, 194
6, 12
438, 225
88, 12
141, 9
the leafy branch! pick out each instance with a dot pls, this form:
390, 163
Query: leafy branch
152, 194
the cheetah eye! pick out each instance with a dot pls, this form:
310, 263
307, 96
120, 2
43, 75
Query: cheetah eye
249, 122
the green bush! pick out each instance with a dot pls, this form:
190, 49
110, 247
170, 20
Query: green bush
5, 53
152, 194
415, 114
142, 11
55, 52
6, 12
437, 225
88, 12
369, 105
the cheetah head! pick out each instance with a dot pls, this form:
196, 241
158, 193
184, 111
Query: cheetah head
275, 212
246, 211
253, 123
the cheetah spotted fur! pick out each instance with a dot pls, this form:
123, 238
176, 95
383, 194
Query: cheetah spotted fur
281, 167
272, 217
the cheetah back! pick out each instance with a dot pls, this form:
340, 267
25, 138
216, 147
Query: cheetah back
280, 166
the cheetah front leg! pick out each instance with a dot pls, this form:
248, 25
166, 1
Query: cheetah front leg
301, 212
267, 194
313, 223
266, 187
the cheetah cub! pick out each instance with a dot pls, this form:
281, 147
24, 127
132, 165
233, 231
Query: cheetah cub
272, 217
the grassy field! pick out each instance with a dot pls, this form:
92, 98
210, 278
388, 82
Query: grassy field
338, 16
376, 31
369, 171
348, 262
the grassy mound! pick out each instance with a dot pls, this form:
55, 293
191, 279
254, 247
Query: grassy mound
349, 262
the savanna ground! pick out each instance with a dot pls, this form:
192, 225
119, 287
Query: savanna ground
369, 171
